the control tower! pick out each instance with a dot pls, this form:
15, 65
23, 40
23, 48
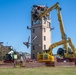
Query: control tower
40, 31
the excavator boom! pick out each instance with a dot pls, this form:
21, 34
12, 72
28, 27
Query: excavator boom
57, 7
65, 41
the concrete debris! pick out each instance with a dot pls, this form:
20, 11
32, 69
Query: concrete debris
37, 10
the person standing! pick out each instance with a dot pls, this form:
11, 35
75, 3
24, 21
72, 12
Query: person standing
15, 59
10, 53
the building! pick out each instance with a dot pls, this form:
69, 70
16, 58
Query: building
3, 50
40, 31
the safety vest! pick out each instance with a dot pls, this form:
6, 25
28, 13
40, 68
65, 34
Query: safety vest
15, 56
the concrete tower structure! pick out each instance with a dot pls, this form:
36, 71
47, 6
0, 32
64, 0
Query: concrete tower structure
40, 31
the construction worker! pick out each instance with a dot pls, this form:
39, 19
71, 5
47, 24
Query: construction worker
10, 53
15, 59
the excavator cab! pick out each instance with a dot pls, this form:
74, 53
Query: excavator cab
45, 57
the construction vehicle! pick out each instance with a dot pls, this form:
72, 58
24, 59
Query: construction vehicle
47, 56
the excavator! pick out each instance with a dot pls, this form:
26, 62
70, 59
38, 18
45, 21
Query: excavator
64, 52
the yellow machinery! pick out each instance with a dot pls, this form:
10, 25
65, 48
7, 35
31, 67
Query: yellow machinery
48, 56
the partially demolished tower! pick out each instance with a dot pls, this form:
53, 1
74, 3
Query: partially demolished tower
40, 31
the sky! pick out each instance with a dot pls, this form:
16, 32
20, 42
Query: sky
15, 16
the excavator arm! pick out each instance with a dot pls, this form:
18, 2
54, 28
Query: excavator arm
57, 7
48, 10
71, 45
65, 41
69, 41
56, 44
